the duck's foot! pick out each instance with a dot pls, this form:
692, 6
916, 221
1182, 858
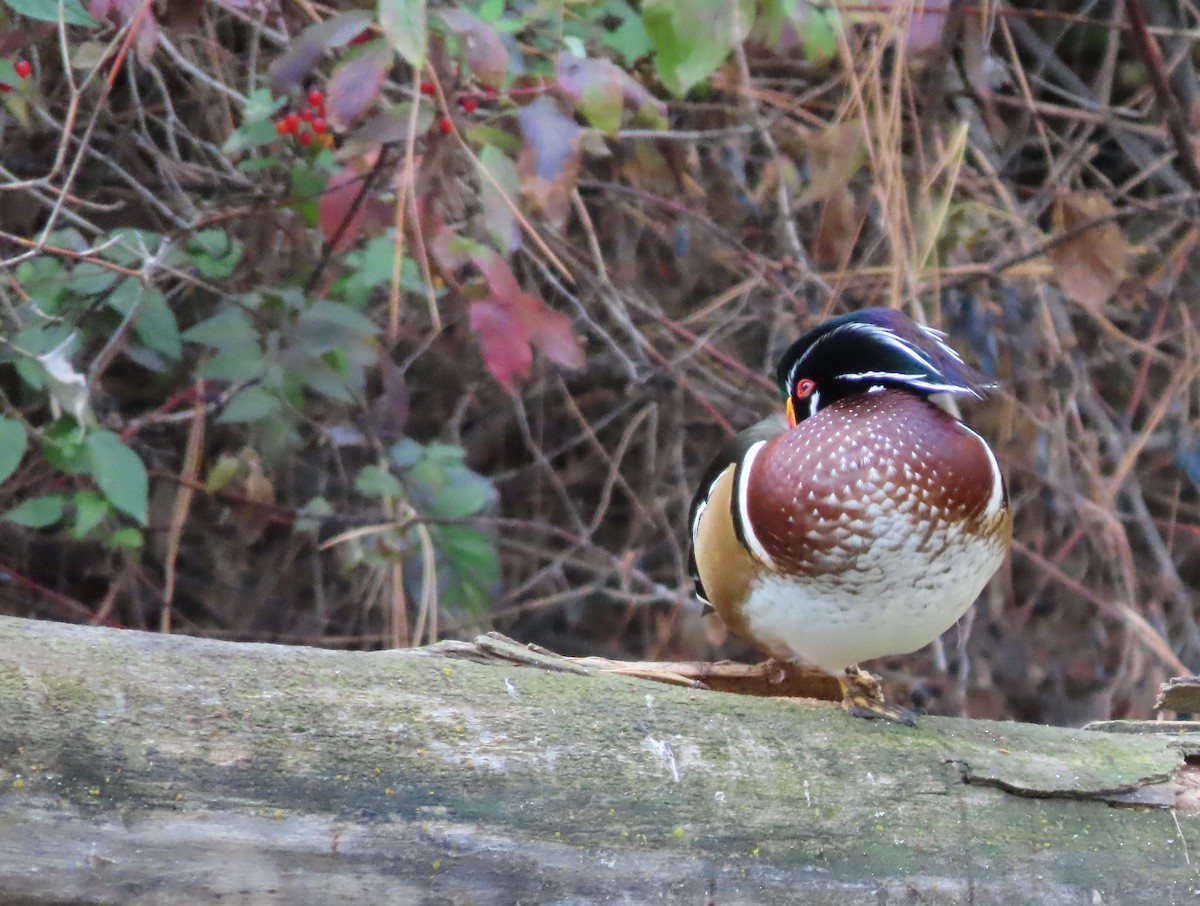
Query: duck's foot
863, 697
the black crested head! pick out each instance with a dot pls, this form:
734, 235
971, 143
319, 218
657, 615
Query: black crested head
875, 347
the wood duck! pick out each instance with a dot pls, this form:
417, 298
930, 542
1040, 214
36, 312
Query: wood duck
870, 523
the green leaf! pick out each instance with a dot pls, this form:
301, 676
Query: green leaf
129, 247
258, 164
342, 317
230, 327
13, 439
374, 481
404, 24
244, 362
262, 105
222, 473
405, 453
312, 514
214, 253
38, 512
250, 405
442, 486
73, 12
155, 324
64, 448
120, 474
322, 378
126, 536
498, 214
693, 39
375, 262
820, 38
471, 568
91, 279
42, 278
90, 510
251, 134
629, 39
491, 10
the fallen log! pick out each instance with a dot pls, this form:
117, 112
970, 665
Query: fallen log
138, 768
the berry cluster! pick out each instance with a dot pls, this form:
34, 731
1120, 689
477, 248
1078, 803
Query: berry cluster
309, 124
468, 102
23, 69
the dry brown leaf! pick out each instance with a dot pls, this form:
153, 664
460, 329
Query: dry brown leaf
1089, 264
549, 160
836, 230
834, 156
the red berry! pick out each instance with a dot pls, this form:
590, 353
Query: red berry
490, 93
318, 125
293, 121
427, 88
305, 138
23, 68
306, 114
5, 88
469, 104
362, 37
445, 125
316, 97
281, 127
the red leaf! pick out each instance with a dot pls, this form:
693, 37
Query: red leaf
549, 161
547, 330
125, 12
551, 333
357, 81
499, 276
337, 203
289, 70
480, 43
502, 340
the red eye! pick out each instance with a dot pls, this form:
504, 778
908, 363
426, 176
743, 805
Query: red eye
804, 388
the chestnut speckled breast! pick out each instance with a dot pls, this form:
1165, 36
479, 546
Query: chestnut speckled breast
869, 524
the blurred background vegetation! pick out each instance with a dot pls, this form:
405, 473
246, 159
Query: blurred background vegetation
366, 327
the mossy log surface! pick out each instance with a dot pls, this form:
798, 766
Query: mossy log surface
139, 768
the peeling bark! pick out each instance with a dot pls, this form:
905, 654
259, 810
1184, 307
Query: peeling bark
138, 768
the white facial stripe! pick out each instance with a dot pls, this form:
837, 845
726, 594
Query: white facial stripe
890, 338
814, 402
739, 506
795, 372
997, 497
912, 380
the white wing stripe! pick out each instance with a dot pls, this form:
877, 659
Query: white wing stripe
997, 497
739, 505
